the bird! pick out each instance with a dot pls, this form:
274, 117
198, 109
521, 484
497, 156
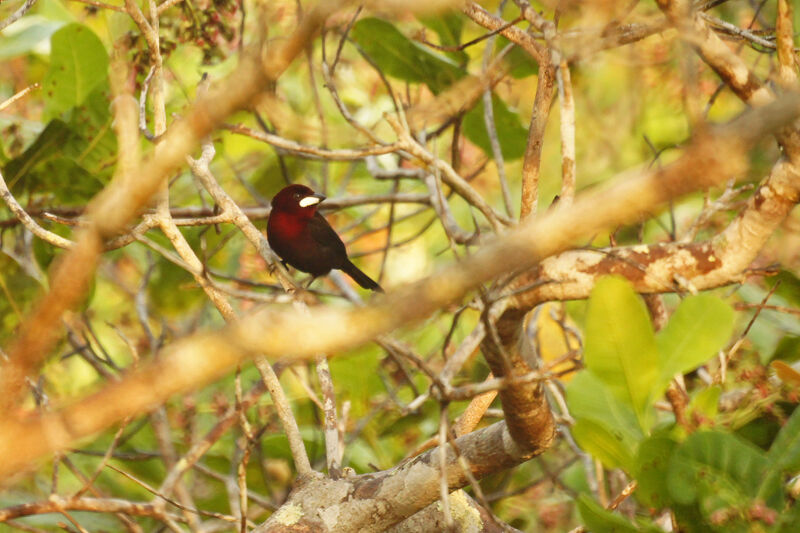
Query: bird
303, 238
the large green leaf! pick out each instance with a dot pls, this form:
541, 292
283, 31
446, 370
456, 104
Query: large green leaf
95, 146
402, 58
78, 64
69, 181
787, 350
407, 60
46, 146
719, 470
70, 160
606, 427
698, 329
652, 463
620, 346
513, 136
602, 444
448, 27
785, 450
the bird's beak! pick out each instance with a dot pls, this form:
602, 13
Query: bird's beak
311, 199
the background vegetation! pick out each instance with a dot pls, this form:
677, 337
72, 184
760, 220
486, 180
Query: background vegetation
591, 200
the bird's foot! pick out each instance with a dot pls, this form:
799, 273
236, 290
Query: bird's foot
273, 267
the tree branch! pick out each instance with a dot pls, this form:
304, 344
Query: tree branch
190, 363
114, 207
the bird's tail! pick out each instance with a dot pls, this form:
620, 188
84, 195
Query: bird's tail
359, 277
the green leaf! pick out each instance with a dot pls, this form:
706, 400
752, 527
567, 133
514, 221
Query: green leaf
787, 350
797, 25
705, 403
512, 135
43, 252
574, 478
785, 450
690, 519
47, 144
54, 10
598, 519
652, 462
606, 427
771, 325
787, 521
166, 277
719, 470
620, 346
78, 64
448, 27
520, 62
95, 146
402, 58
26, 36
72, 160
760, 431
18, 292
698, 329
81, 185
598, 441
361, 456
789, 287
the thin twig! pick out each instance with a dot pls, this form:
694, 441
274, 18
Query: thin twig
296, 446
488, 119
444, 486
312, 152
27, 221
19, 95
166, 4
16, 15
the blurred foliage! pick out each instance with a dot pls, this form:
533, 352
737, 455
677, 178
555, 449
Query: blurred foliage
728, 468
402, 58
711, 479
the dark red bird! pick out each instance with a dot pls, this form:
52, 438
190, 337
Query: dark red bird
304, 239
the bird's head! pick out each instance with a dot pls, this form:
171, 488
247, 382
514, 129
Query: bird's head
297, 200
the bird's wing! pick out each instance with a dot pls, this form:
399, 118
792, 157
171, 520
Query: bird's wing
327, 238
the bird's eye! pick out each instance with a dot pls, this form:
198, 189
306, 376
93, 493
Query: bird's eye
297, 196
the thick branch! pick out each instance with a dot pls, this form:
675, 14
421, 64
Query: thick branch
467, 515
533, 149
530, 421
671, 267
728, 66
374, 502
195, 361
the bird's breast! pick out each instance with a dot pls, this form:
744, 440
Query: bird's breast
287, 227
